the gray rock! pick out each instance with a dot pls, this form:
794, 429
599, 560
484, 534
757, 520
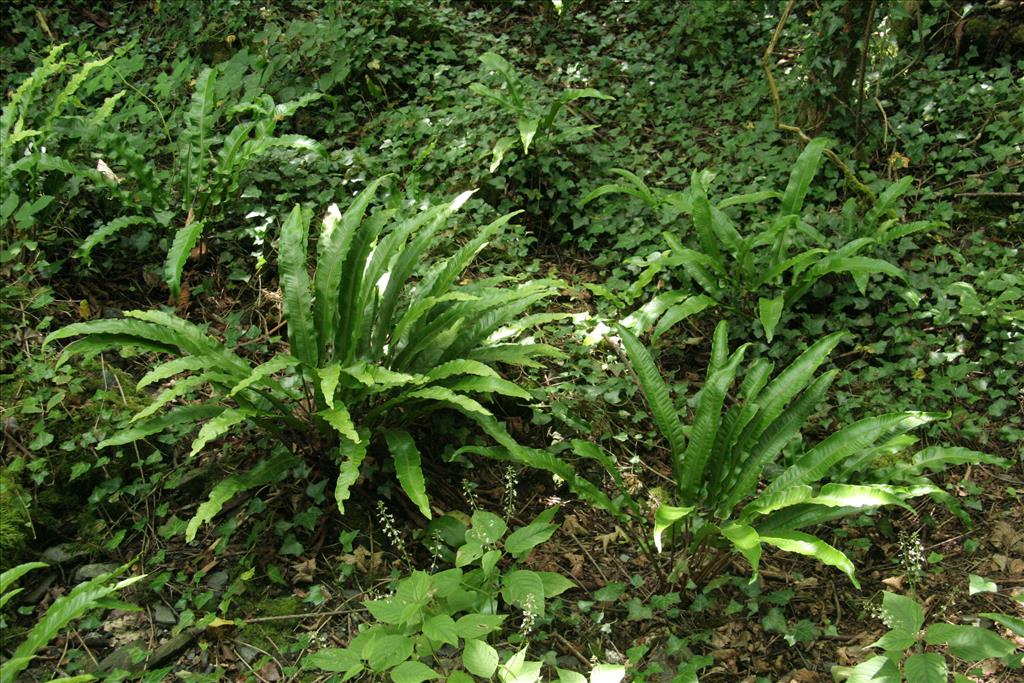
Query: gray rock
163, 614
96, 639
136, 656
63, 553
129, 657
217, 580
42, 584
91, 571
248, 654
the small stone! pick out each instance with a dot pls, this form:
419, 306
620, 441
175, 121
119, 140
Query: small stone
96, 639
248, 654
91, 571
42, 584
217, 580
63, 553
130, 657
162, 614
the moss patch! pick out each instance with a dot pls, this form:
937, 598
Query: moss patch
270, 635
15, 524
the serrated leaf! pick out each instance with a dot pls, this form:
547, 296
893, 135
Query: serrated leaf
519, 670
554, 583
902, 612
875, 670
896, 640
388, 651
524, 589
334, 659
487, 527
473, 626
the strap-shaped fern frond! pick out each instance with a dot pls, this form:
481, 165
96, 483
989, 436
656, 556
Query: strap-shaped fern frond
663, 410
296, 298
814, 464
332, 252
199, 120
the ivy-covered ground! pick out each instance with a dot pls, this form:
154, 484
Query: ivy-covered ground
152, 158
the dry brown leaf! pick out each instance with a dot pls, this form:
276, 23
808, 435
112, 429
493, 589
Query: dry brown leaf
572, 525
894, 582
611, 537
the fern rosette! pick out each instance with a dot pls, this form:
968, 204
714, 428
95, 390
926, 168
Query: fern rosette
376, 341
742, 431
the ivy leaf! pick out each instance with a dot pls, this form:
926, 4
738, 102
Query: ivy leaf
978, 584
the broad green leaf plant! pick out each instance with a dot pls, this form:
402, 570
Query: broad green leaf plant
376, 340
743, 422
464, 608
903, 655
763, 270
